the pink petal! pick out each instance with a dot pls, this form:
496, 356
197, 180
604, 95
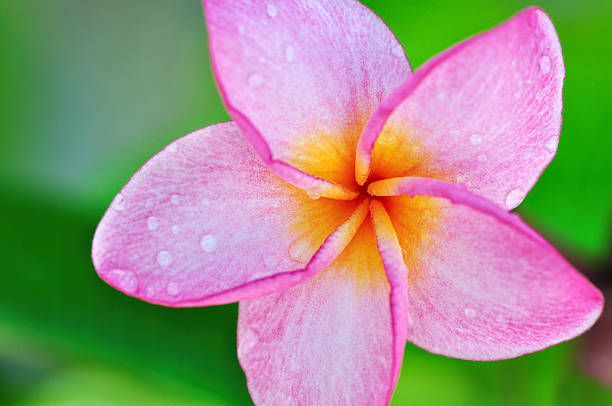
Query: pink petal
328, 341
484, 285
205, 222
487, 112
397, 275
295, 75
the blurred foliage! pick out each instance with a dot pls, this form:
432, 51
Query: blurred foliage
91, 89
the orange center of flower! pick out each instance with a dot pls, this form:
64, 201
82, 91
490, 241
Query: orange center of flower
332, 157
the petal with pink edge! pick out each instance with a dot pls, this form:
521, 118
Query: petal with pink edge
328, 341
483, 285
486, 113
206, 222
298, 74
397, 275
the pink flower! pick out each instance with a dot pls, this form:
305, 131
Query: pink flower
369, 208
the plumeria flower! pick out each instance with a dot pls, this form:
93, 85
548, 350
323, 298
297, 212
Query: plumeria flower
352, 205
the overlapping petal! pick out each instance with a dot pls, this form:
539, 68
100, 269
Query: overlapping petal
397, 274
205, 222
301, 78
482, 285
328, 341
485, 113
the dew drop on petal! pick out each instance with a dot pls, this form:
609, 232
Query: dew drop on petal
469, 312
482, 158
164, 258
152, 223
289, 53
208, 243
173, 147
255, 80
125, 280
551, 144
545, 64
475, 139
272, 10
514, 197
300, 250
313, 194
173, 288
205, 202
241, 29
119, 202
175, 230
175, 199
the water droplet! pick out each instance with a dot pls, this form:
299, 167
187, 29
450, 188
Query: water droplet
164, 258
125, 280
173, 288
255, 80
272, 10
119, 202
469, 312
175, 230
149, 204
441, 96
313, 194
205, 202
545, 64
514, 198
301, 250
461, 179
551, 144
173, 147
152, 223
499, 318
517, 94
175, 199
475, 139
482, 158
208, 243
241, 29
289, 53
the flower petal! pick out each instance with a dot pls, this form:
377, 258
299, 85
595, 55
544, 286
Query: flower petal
327, 341
482, 284
302, 76
205, 222
487, 112
397, 275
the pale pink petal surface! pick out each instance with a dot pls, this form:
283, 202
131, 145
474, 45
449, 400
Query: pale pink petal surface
205, 222
397, 275
487, 112
484, 285
297, 74
328, 341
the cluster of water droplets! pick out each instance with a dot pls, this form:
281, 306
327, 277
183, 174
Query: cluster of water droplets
127, 280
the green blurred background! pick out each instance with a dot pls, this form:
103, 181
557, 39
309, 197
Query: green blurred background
92, 89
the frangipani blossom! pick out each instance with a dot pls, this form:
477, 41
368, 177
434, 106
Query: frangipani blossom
353, 205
